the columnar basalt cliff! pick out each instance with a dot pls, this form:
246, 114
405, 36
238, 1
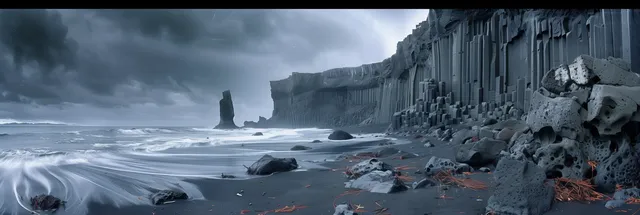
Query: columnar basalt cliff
458, 62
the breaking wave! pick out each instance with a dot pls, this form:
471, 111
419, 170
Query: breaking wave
123, 166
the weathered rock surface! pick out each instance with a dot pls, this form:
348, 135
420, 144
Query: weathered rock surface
480, 153
226, 112
344, 209
367, 166
257, 134
621, 196
340, 135
521, 188
377, 182
165, 196
45, 203
436, 165
267, 164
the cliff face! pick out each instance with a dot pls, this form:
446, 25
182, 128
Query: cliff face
469, 56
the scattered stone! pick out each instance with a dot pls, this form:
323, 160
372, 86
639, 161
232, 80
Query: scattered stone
340, 135
316, 141
45, 203
227, 176
367, 166
522, 188
423, 183
267, 164
257, 134
166, 196
344, 209
436, 165
480, 153
377, 182
299, 148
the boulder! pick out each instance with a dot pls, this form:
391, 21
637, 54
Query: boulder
45, 203
257, 134
367, 166
552, 117
226, 112
377, 182
564, 159
316, 141
340, 135
165, 196
505, 134
267, 164
459, 137
622, 167
611, 107
480, 153
521, 188
436, 165
299, 148
523, 147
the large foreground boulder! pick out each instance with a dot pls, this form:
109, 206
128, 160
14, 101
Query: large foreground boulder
521, 188
226, 112
45, 203
340, 135
268, 165
166, 196
377, 182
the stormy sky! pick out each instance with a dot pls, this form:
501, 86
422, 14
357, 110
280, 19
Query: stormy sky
169, 67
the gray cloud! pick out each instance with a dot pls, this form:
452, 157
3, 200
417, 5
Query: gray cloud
170, 66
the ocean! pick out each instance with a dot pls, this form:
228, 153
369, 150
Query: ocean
121, 166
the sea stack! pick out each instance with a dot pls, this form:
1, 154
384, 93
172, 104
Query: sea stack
226, 112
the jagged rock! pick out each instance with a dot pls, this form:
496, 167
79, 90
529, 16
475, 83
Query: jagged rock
316, 141
552, 117
524, 146
45, 203
299, 148
621, 196
622, 167
344, 209
267, 164
521, 188
505, 134
611, 107
489, 121
564, 159
226, 112
377, 182
340, 135
164, 196
423, 183
436, 165
586, 69
367, 166
257, 134
481, 152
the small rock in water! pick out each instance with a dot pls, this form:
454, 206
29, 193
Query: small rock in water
340, 135
299, 148
46, 202
167, 196
227, 176
316, 141
257, 134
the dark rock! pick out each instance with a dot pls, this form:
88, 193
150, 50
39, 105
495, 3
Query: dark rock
505, 134
164, 196
480, 153
459, 137
299, 148
378, 182
267, 164
621, 196
367, 166
484, 169
226, 112
489, 121
436, 165
340, 135
316, 141
622, 167
257, 134
45, 203
250, 124
521, 188
227, 176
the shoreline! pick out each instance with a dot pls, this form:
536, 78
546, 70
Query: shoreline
317, 190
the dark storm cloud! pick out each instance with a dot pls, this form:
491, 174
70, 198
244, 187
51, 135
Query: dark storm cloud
171, 65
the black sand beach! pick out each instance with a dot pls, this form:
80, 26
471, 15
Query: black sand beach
316, 191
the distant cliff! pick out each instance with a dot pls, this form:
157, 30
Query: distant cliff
474, 56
